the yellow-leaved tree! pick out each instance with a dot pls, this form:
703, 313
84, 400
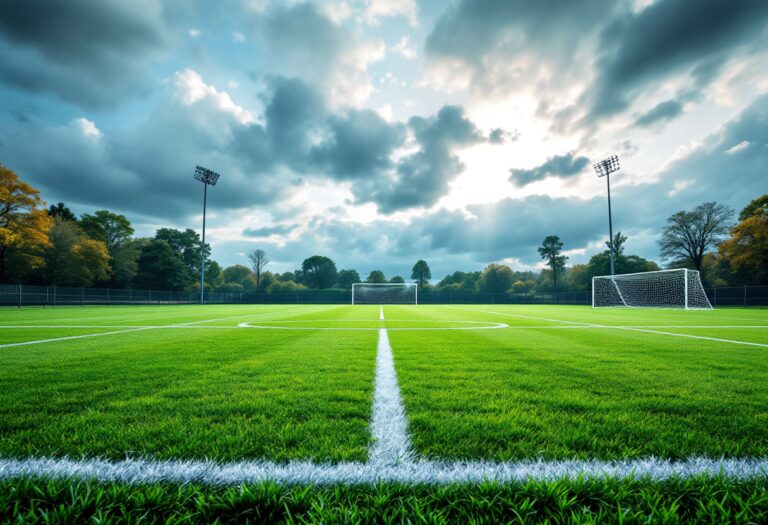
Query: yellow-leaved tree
24, 226
747, 249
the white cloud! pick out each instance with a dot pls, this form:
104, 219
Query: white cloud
238, 37
192, 89
741, 146
404, 48
378, 9
193, 33
86, 127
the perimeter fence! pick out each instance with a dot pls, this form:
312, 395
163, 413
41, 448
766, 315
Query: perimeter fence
28, 295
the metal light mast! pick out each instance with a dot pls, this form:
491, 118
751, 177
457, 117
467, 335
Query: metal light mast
604, 168
207, 177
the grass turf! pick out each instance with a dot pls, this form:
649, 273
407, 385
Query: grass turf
701, 500
564, 392
224, 394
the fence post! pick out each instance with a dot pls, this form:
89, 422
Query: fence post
54, 295
82, 296
107, 296
150, 296
130, 296
714, 296
19, 295
745, 295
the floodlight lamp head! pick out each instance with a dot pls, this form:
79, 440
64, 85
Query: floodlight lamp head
206, 176
607, 166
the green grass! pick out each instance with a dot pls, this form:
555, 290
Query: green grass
213, 390
225, 394
583, 393
701, 500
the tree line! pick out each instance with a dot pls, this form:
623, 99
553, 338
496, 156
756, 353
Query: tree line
51, 246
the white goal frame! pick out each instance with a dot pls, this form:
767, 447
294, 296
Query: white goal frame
691, 289
415, 286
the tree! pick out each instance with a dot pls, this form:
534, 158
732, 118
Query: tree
496, 278
213, 273
60, 210
747, 249
760, 203
347, 278
187, 245
160, 267
319, 272
420, 272
376, 276
618, 244
237, 273
24, 224
688, 234
111, 228
285, 287
259, 260
550, 251
74, 259
125, 262
397, 280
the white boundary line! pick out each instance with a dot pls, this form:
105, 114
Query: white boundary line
499, 325
626, 328
381, 312
421, 472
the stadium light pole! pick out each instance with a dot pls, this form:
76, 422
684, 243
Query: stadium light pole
207, 177
604, 168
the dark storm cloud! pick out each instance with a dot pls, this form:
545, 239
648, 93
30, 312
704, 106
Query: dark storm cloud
280, 229
356, 145
562, 166
670, 37
661, 112
88, 52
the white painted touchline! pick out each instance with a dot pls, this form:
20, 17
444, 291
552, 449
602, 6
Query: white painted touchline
389, 426
135, 471
381, 312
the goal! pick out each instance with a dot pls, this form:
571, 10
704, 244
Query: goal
385, 293
679, 288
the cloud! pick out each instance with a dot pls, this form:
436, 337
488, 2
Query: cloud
301, 41
643, 48
661, 112
562, 166
500, 136
378, 9
266, 231
91, 53
741, 146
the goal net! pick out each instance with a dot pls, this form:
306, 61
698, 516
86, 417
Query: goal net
385, 293
680, 288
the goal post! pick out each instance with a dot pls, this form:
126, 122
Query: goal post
678, 288
385, 293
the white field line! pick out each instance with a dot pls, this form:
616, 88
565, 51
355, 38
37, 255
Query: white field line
490, 325
381, 312
389, 426
627, 328
134, 471
125, 331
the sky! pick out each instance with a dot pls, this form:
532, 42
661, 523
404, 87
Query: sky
380, 132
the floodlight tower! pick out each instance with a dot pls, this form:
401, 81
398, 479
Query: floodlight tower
207, 177
604, 168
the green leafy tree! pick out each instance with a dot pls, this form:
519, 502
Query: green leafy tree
213, 271
496, 278
60, 210
757, 205
187, 245
161, 267
285, 287
237, 273
689, 234
319, 272
110, 228
74, 259
376, 276
259, 261
618, 243
125, 262
550, 251
397, 280
347, 278
420, 272
267, 278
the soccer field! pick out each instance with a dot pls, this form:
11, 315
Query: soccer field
405, 395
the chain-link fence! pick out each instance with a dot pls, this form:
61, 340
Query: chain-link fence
27, 295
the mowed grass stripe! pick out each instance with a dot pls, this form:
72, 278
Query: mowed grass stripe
225, 395
557, 394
